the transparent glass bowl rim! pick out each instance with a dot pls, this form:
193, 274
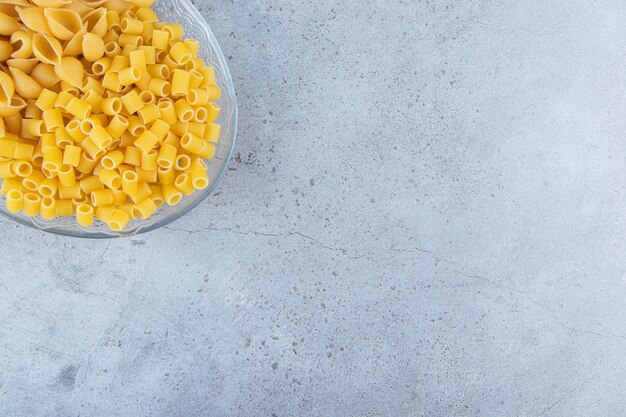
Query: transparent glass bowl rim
228, 91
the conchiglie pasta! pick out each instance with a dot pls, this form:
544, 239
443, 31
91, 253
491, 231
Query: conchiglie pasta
22, 44
63, 23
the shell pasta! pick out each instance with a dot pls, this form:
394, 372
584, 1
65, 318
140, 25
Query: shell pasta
106, 113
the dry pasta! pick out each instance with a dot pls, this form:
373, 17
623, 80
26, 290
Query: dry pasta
105, 113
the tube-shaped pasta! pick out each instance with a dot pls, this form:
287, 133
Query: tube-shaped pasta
90, 148
184, 111
91, 83
48, 208
139, 59
212, 132
195, 78
149, 113
144, 83
180, 53
78, 108
191, 143
48, 187
129, 76
199, 177
183, 161
144, 208
159, 71
32, 182
71, 155
132, 156
132, 102
62, 138
14, 200
208, 150
130, 180
171, 194
147, 97
100, 136
6, 170
160, 87
84, 215
110, 178
166, 176
24, 150
160, 39
52, 158
160, 129
101, 66
101, 197
200, 115
213, 111
198, 97
71, 192
184, 183
111, 106
86, 163
180, 82
167, 156
167, 112
111, 81
22, 168
119, 197
150, 53
118, 220
67, 176
146, 141
112, 160
135, 126
94, 99
117, 126
63, 208
149, 161
8, 185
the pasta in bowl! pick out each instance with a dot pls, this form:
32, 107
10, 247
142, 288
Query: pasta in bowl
115, 121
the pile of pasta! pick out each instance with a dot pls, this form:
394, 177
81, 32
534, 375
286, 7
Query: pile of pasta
105, 112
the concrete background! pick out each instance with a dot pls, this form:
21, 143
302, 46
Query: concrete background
425, 216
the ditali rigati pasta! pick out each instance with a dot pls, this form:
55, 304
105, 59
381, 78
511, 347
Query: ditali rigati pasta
105, 112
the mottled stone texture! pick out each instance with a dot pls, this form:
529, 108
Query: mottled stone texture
425, 216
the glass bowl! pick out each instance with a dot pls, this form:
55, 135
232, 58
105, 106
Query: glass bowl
184, 13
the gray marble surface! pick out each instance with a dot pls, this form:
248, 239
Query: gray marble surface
425, 216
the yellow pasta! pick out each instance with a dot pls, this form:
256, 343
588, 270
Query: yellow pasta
130, 181
105, 112
132, 156
93, 47
148, 113
22, 44
67, 176
117, 126
146, 142
184, 111
84, 215
111, 178
25, 86
48, 187
129, 76
132, 102
44, 75
71, 155
180, 82
78, 108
